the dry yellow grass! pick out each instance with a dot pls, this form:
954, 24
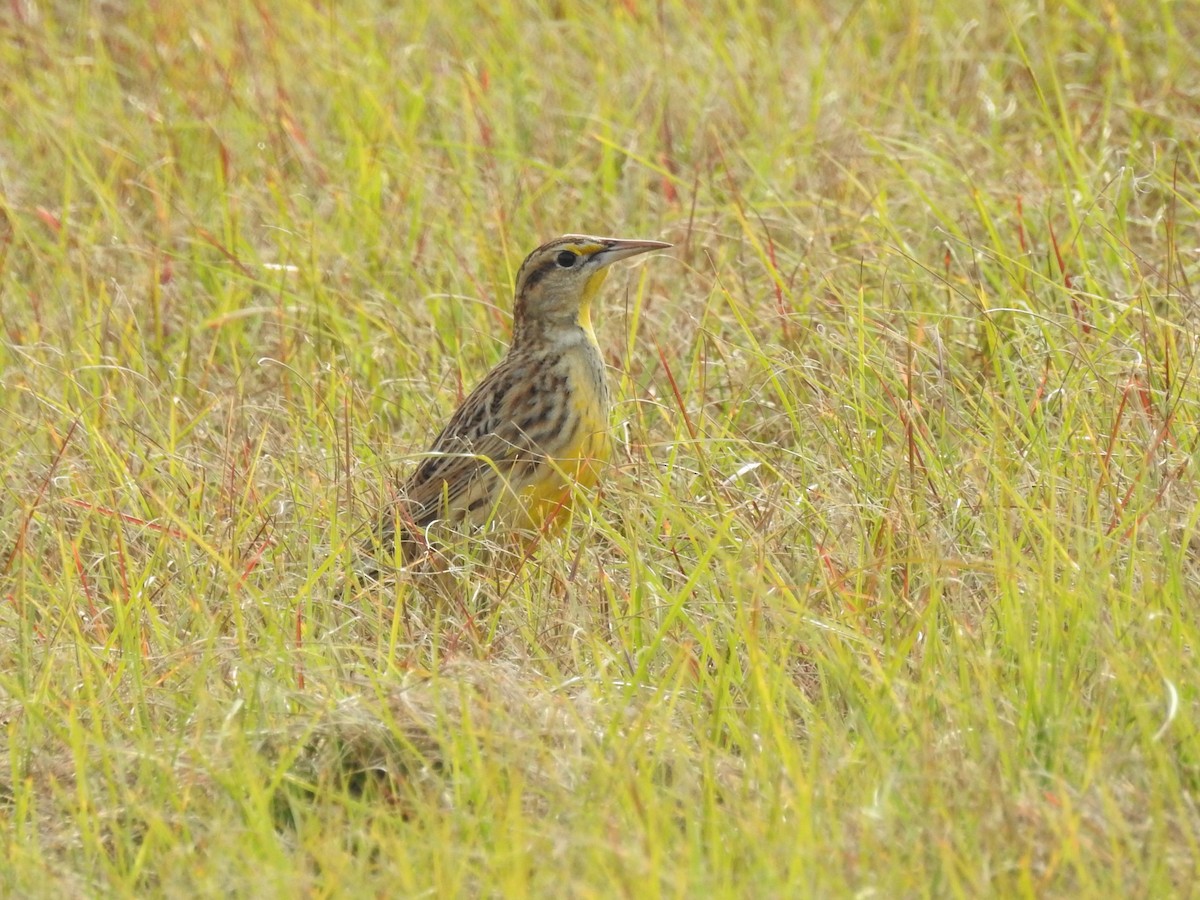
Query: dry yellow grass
890, 589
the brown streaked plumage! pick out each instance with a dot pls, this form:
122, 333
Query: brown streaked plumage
537, 424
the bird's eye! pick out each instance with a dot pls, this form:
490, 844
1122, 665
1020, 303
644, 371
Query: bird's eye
566, 259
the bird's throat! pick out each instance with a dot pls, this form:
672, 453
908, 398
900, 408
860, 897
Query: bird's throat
590, 289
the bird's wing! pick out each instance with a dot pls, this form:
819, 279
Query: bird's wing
490, 440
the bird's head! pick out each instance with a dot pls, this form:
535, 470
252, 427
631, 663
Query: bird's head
557, 281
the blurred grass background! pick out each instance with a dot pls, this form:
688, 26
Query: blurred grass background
891, 589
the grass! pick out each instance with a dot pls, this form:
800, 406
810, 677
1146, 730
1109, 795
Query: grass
891, 589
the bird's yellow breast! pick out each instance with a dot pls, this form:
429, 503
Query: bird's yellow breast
579, 461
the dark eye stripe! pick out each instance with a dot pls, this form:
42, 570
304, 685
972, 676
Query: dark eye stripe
539, 273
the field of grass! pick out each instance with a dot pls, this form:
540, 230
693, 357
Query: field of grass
893, 587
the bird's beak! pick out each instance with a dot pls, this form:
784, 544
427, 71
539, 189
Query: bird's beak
616, 249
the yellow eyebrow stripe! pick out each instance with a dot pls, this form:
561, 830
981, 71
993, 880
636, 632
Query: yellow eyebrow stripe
583, 249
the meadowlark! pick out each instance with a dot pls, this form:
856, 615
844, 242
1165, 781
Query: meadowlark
536, 427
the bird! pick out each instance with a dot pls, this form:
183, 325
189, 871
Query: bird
535, 428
